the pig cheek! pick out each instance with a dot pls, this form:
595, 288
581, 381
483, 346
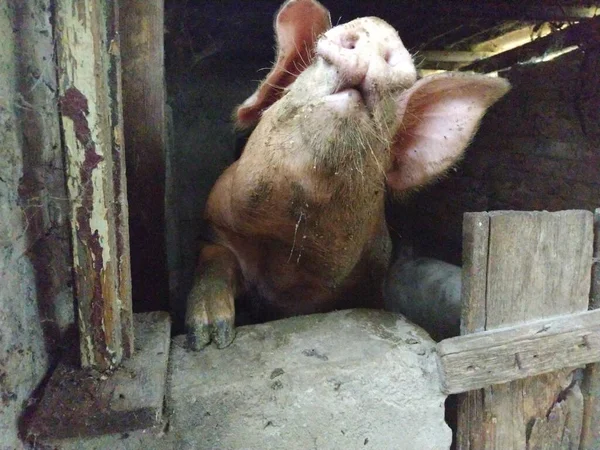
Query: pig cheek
382, 82
387, 116
317, 125
316, 81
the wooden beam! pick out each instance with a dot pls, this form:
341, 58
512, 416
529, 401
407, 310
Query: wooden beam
590, 436
462, 37
449, 60
426, 65
491, 357
585, 33
454, 56
144, 99
513, 38
88, 63
518, 11
536, 266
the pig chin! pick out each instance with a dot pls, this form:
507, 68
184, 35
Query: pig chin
343, 136
347, 99
347, 102
365, 100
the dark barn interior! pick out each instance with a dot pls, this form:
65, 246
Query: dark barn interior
537, 149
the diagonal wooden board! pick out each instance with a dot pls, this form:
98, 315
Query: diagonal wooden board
521, 267
83, 402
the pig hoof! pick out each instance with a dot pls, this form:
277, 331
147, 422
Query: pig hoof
221, 332
210, 320
197, 337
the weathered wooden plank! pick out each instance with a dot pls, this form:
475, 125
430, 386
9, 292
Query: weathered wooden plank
498, 356
476, 229
590, 436
558, 430
471, 433
144, 97
539, 265
595, 289
535, 260
89, 108
119, 178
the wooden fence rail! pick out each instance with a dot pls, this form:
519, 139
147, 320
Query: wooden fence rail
475, 361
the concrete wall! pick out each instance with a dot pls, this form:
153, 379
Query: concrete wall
537, 149
36, 301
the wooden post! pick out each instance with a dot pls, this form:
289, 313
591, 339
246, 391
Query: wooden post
531, 265
89, 83
144, 98
590, 436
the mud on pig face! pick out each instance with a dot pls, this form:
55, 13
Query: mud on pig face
346, 95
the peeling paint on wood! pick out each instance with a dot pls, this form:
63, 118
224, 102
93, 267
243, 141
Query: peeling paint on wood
120, 180
90, 90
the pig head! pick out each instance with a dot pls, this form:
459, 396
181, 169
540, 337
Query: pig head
340, 120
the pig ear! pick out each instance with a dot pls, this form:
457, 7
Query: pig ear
298, 25
439, 115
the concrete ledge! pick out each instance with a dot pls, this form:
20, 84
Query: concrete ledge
81, 403
344, 380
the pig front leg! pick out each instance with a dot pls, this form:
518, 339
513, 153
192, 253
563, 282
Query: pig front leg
210, 310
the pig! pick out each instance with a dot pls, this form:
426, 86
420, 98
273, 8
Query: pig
426, 291
340, 120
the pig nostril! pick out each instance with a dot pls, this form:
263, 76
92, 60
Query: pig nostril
393, 57
349, 41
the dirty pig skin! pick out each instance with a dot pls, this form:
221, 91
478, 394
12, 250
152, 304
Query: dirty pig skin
340, 120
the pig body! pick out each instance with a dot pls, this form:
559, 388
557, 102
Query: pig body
340, 119
427, 292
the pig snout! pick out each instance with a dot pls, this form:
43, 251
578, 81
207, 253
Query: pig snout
369, 58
